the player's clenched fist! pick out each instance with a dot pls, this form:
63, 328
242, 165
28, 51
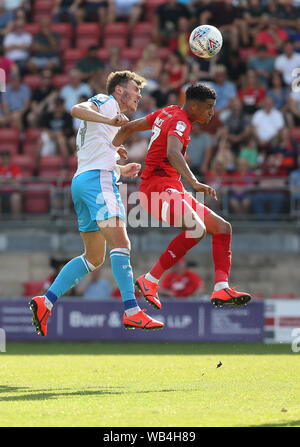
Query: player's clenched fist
119, 120
206, 189
123, 152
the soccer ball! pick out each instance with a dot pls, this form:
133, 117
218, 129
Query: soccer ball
206, 41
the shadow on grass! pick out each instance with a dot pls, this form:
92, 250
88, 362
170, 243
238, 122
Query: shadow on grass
140, 348
107, 391
11, 389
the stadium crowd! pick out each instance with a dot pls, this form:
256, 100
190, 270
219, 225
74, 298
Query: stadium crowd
56, 53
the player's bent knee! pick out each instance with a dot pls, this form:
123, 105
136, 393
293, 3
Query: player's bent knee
226, 227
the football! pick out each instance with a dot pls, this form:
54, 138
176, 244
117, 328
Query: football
206, 41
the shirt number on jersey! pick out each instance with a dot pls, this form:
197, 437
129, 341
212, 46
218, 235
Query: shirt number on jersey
155, 134
82, 133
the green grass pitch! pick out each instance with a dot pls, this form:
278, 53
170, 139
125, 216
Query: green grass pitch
153, 385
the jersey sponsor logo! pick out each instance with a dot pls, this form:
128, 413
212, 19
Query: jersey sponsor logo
180, 128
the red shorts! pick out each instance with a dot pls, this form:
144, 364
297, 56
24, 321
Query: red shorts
167, 201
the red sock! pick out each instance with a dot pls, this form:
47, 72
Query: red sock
221, 256
177, 248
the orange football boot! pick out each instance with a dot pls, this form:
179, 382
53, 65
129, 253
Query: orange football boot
230, 296
40, 315
149, 290
141, 320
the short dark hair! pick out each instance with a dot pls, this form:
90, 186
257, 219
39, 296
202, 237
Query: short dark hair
200, 92
122, 78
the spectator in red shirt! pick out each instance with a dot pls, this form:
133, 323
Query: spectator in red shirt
271, 190
272, 36
251, 93
177, 69
10, 195
181, 282
8, 65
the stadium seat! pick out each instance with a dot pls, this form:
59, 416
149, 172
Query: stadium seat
119, 42
87, 34
163, 52
32, 134
73, 164
143, 29
60, 80
37, 198
151, 7
9, 140
25, 163
116, 29
9, 135
31, 138
65, 32
132, 54
32, 80
50, 165
140, 41
29, 148
71, 57
9, 146
42, 8
32, 28
32, 288
103, 54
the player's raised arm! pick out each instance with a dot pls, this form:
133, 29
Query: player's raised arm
88, 111
127, 129
175, 157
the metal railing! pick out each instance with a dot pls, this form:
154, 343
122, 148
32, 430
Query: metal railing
51, 198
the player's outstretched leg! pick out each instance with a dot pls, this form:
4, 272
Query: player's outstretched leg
133, 316
221, 242
70, 275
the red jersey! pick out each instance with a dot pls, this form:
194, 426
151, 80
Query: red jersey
182, 285
171, 120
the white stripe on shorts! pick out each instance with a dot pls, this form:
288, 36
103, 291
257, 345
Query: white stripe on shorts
108, 193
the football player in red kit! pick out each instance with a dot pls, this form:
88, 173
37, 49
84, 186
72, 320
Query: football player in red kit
164, 197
